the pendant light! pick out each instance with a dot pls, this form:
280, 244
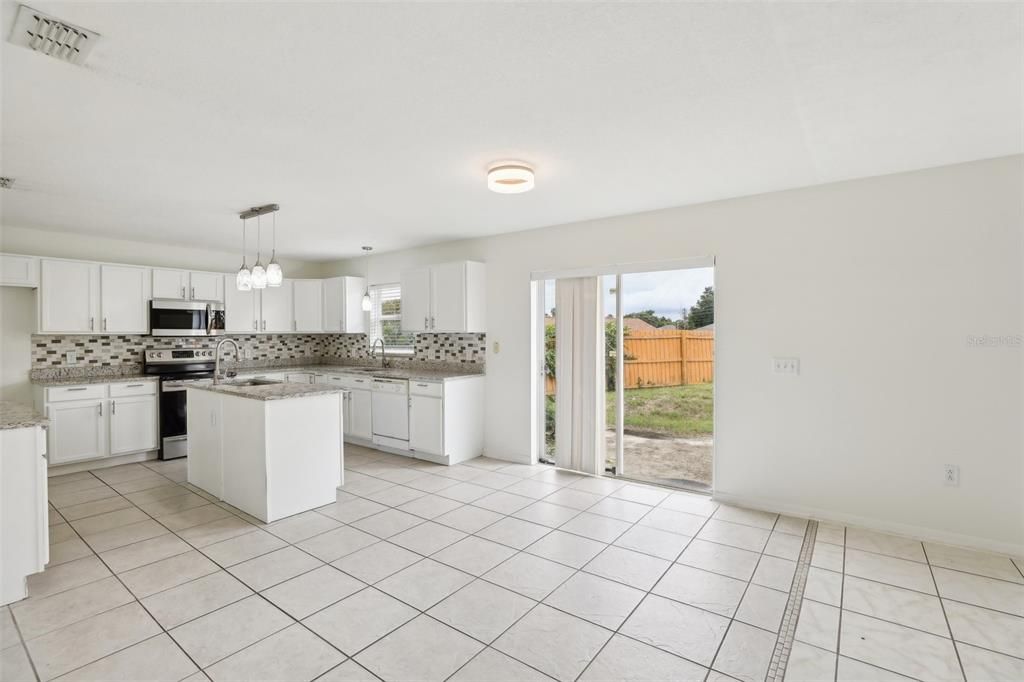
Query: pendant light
366, 293
274, 274
259, 274
243, 281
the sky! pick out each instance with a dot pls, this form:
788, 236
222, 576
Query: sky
666, 292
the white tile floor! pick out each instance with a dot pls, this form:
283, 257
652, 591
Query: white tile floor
489, 571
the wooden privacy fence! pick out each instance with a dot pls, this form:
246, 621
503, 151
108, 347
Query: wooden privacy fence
665, 357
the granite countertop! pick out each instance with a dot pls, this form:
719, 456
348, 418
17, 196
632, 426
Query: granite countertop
412, 374
19, 416
276, 391
80, 381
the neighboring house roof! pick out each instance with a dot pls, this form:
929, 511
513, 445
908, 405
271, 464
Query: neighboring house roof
633, 323
706, 328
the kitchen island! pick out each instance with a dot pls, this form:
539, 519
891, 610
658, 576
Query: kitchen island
271, 449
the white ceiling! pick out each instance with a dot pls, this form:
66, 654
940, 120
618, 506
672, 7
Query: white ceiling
374, 123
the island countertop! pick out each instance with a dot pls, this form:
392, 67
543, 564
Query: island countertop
19, 415
275, 391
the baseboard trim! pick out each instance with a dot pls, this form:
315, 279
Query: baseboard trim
104, 463
916, 532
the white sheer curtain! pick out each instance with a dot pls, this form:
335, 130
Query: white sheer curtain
579, 373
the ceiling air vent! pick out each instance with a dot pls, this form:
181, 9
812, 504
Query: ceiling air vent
52, 36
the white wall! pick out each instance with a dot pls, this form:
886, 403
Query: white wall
876, 285
17, 322
71, 245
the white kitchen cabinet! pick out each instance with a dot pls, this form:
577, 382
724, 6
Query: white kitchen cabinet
276, 309
205, 442
124, 298
426, 424
78, 430
186, 285
133, 424
360, 414
343, 305
449, 297
241, 308
308, 305
416, 300
299, 378
24, 521
206, 286
19, 271
69, 296
170, 283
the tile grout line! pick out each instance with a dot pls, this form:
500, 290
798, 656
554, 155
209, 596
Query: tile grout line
791, 615
942, 605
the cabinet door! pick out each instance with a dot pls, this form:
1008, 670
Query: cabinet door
448, 297
133, 424
426, 424
355, 316
19, 271
206, 286
301, 378
346, 414
276, 309
334, 304
69, 296
308, 305
416, 300
170, 283
77, 430
360, 414
240, 310
124, 299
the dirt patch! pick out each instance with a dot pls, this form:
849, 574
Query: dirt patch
659, 459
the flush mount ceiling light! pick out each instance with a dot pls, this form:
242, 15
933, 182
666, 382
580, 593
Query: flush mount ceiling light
510, 177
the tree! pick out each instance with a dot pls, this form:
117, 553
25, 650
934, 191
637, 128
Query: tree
703, 312
650, 318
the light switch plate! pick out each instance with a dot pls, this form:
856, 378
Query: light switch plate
71, 358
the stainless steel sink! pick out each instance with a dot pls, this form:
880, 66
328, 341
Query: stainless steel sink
252, 382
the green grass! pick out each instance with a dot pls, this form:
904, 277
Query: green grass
679, 411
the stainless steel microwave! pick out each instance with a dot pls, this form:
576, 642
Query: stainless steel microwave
171, 317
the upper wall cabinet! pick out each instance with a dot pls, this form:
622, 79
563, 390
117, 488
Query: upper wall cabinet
69, 296
277, 309
185, 285
445, 298
241, 308
79, 298
343, 305
124, 297
307, 305
19, 271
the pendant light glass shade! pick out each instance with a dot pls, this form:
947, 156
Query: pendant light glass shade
366, 302
259, 275
274, 273
243, 280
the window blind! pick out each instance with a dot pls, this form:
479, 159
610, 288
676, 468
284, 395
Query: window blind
386, 317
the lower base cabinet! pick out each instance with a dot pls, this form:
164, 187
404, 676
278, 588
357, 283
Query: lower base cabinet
24, 514
93, 421
426, 424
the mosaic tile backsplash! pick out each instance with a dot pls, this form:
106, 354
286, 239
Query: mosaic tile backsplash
122, 354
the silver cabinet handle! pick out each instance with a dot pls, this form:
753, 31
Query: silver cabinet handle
255, 325
422, 385
134, 385
101, 409
80, 388
104, 324
426, 322
432, 323
264, 325
193, 292
183, 292
113, 407
90, 324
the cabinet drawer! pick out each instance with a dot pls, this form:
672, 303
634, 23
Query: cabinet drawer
56, 394
434, 389
353, 382
122, 389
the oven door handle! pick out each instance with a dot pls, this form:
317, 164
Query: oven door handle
209, 320
172, 389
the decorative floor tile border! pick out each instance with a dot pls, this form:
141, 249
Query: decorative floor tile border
787, 632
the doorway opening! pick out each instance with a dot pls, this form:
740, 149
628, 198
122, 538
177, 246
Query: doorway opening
657, 419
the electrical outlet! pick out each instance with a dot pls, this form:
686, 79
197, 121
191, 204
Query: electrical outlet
497, 347
248, 353
951, 475
71, 358
786, 365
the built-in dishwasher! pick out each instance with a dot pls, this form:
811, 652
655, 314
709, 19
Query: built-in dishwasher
390, 410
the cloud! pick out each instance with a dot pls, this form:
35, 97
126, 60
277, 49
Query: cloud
666, 292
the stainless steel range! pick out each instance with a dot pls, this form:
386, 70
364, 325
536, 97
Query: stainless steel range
178, 368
